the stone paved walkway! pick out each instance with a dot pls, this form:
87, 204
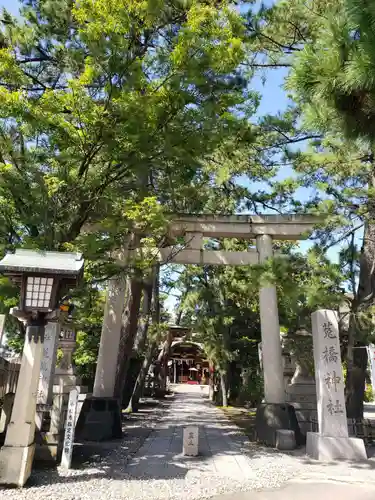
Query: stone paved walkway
308, 491
220, 442
148, 465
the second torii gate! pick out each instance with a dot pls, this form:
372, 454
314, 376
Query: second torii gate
261, 228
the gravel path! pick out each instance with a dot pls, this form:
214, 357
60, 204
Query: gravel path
149, 465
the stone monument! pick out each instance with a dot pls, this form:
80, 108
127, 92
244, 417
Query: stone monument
47, 368
332, 441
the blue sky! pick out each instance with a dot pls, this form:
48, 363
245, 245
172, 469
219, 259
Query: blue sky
10, 5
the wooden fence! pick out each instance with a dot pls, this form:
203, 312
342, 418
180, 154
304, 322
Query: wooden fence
9, 371
361, 428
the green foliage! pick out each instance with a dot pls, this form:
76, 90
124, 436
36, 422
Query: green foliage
221, 303
88, 322
342, 97
123, 100
113, 115
328, 48
219, 308
369, 396
9, 297
253, 392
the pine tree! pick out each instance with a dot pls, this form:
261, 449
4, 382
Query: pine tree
328, 46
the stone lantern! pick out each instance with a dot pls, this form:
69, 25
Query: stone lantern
43, 278
65, 371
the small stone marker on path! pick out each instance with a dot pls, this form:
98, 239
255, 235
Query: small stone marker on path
66, 458
190, 441
332, 441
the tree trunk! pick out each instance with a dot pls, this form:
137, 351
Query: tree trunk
139, 385
128, 332
356, 383
223, 386
152, 300
356, 353
211, 382
163, 360
144, 320
138, 352
140, 341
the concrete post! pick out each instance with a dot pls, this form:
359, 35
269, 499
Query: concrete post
105, 375
274, 391
16, 456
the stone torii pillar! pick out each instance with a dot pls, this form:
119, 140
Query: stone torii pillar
100, 415
274, 391
105, 375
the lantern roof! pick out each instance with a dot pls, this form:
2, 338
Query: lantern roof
43, 262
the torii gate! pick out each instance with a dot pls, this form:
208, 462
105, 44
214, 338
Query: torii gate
262, 228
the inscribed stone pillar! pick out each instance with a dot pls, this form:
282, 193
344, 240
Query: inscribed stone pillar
105, 375
274, 390
332, 441
47, 369
47, 366
329, 377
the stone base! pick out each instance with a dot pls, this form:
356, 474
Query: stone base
99, 420
15, 464
326, 448
47, 447
285, 440
271, 417
302, 396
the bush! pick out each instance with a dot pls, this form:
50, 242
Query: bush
368, 394
252, 394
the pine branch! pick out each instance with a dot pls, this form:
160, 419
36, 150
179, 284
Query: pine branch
290, 140
342, 238
269, 65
